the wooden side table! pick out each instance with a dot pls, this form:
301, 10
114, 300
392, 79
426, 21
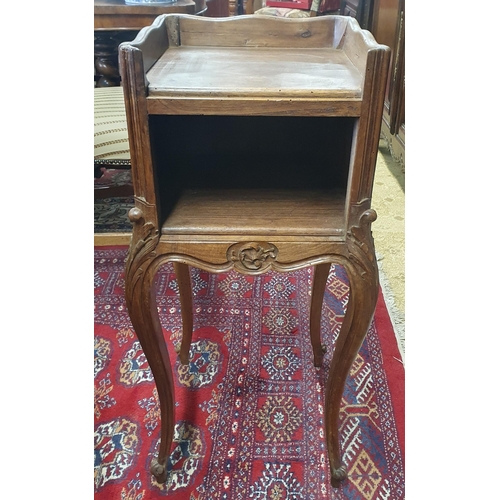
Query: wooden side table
197, 91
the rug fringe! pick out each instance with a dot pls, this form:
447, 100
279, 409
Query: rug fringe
397, 317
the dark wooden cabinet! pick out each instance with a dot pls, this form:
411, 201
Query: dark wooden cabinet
388, 27
386, 20
361, 10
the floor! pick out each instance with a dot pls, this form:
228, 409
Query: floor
388, 231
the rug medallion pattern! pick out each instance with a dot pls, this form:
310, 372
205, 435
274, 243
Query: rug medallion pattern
249, 405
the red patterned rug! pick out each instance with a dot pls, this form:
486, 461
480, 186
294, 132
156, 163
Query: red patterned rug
248, 425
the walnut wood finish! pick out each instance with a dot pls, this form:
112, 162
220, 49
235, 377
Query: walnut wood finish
207, 194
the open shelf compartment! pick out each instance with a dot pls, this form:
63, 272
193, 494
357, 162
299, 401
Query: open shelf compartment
252, 175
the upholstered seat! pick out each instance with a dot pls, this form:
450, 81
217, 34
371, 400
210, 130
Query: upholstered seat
111, 146
317, 7
281, 12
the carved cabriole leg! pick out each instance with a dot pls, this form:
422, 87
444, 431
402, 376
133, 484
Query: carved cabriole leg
321, 272
158, 358
141, 267
362, 270
186, 298
144, 316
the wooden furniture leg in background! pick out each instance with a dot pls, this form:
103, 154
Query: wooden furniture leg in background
106, 42
106, 58
186, 299
321, 272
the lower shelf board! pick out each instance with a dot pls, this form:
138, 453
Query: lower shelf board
257, 211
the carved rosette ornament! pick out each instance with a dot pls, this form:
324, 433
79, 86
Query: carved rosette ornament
254, 257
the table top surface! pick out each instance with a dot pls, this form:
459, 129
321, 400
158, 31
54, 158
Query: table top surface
257, 71
257, 65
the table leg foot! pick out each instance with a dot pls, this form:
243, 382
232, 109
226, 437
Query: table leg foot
159, 471
338, 475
